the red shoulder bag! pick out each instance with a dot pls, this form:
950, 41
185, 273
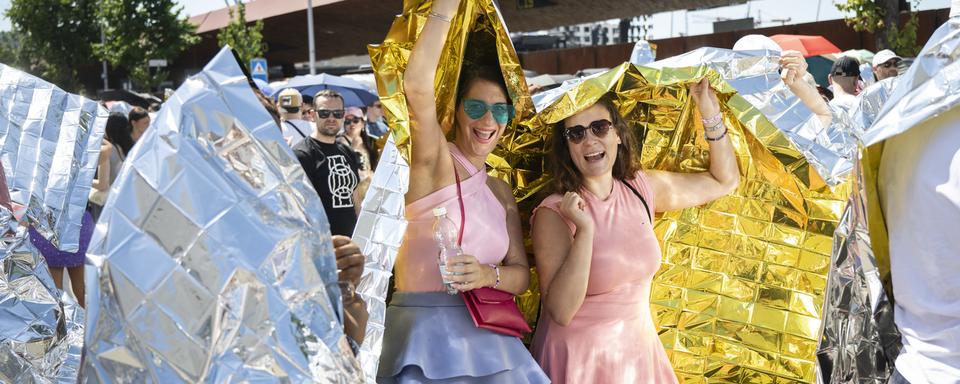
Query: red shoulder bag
490, 308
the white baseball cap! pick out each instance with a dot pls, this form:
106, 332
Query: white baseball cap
884, 56
755, 43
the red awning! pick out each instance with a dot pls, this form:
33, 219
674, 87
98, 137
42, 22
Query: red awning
806, 44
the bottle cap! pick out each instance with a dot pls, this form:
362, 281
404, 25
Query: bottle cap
439, 211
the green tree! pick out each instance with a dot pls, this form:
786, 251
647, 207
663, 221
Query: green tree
247, 40
881, 17
10, 50
138, 31
53, 37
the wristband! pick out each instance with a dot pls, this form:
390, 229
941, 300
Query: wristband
712, 121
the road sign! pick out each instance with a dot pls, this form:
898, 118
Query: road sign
157, 63
258, 69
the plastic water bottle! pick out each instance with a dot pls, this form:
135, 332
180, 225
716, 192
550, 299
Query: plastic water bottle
445, 233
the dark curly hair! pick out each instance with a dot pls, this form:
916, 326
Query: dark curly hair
566, 176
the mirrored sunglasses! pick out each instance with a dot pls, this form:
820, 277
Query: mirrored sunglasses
475, 109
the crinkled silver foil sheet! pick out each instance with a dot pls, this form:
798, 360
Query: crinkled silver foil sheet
212, 259
859, 342
754, 74
871, 102
41, 333
50, 143
642, 53
928, 88
379, 232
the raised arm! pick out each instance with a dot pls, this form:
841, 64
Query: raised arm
429, 154
674, 190
794, 68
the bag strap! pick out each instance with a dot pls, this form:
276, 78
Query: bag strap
295, 128
463, 215
642, 200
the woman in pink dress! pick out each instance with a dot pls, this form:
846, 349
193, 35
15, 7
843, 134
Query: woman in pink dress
595, 249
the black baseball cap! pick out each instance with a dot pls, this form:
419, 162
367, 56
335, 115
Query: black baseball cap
845, 66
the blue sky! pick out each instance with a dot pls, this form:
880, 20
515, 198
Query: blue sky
664, 24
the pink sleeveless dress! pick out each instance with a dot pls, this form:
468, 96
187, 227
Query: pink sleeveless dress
429, 335
612, 338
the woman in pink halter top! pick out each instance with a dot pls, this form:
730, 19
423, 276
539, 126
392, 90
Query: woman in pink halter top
596, 251
429, 335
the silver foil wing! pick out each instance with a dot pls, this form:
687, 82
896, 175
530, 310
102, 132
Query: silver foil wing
50, 143
41, 333
212, 260
928, 88
859, 341
642, 53
379, 233
754, 74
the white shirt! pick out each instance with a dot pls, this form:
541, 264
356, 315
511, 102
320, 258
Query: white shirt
292, 135
919, 184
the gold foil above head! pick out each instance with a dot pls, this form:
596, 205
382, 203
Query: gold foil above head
477, 36
740, 293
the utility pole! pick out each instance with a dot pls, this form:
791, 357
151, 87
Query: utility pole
313, 65
103, 41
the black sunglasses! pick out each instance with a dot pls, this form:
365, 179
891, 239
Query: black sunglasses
349, 120
890, 64
325, 113
577, 133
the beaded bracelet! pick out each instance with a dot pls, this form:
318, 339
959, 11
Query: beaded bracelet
718, 138
713, 121
497, 269
440, 17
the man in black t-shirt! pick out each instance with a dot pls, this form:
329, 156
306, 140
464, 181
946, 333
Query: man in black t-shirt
332, 167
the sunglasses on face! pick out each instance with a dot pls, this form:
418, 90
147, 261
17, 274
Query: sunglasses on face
352, 120
325, 113
577, 133
890, 64
475, 109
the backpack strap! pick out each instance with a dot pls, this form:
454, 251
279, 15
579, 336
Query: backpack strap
642, 200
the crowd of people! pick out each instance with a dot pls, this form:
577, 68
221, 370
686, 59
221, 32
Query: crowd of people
595, 274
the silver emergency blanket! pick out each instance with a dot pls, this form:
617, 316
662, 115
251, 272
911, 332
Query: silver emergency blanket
870, 102
50, 144
928, 88
379, 232
642, 53
212, 260
859, 341
754, 74
41, 332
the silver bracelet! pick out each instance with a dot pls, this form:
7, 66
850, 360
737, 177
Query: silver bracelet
440, 17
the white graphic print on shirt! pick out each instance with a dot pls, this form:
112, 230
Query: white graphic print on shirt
341, 180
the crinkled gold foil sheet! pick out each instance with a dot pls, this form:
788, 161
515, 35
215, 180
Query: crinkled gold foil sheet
740, 294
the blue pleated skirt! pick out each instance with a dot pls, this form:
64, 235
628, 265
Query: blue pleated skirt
430, 338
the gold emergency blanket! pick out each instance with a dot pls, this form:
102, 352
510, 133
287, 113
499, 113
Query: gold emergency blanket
739, 296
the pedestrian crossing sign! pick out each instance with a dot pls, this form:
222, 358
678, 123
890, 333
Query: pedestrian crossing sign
258, 68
